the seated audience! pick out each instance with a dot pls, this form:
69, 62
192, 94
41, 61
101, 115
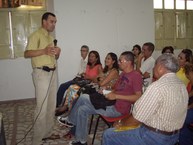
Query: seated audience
184, 57
93, 68
168, 49
160, 111
126, 91
105, 79
63, 87
186, 135
136, 51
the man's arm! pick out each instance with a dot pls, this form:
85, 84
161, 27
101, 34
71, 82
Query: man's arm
49, 50
33, 53
138, 66
131, 98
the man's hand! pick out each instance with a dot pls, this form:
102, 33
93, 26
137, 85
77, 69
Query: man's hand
146, 75
57, 52
140, 57
126, 122
111, 96
50, 50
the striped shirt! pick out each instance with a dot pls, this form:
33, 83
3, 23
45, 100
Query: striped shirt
164, 104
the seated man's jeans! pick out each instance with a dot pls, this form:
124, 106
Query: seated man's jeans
79, 116
138, 136
62, 89
186, 135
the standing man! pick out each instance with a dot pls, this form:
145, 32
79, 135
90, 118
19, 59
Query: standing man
43, 53
145, 63
161, 110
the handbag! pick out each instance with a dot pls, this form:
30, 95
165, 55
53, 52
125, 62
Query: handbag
87, 89
81, 81
99, 101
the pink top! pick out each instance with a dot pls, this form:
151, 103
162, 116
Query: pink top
92, 72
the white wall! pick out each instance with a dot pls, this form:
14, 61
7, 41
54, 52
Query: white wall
104, 25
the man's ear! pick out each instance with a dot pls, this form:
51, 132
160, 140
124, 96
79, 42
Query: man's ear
161, 69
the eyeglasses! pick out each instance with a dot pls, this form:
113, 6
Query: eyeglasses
122, 61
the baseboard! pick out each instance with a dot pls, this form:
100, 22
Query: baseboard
17, 101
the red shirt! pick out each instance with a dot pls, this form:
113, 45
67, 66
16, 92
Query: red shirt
127, 84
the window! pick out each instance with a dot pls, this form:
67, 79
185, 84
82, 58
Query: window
169, 4
189, 4
173, 4
173, 23
16, 25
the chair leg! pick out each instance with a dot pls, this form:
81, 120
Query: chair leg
91, 121
95, 130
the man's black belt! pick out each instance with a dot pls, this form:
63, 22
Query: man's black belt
46, 68
161, 131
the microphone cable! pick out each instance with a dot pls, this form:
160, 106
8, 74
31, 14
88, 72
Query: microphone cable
38, 112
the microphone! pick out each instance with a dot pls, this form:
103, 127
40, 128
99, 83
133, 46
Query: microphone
55, 42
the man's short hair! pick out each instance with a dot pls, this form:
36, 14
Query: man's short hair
46, 15
169, 61
150, 45
85, 46
129, 56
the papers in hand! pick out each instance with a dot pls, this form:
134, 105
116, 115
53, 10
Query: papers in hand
106, 92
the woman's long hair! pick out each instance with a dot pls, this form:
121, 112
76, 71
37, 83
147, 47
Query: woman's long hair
96, 55
115, 65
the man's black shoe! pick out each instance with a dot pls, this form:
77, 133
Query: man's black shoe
77, 143
64, 121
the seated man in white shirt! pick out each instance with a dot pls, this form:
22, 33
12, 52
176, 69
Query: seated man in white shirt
145, 63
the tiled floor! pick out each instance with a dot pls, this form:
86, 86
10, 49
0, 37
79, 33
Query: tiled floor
18, 119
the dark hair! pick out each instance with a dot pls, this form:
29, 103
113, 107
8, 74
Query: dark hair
115, 65
150, 45
46, 15
170, 48
138, 47
85, 46
96, 55
188, 55
188, 68
129, 56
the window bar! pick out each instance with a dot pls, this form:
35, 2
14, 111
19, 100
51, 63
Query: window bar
11, 35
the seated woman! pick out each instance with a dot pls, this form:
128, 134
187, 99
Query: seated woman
168, 49
186, 135
105, 79
136, 51
93, 69
184, 57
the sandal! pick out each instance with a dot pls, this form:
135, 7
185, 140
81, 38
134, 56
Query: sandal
68, 136
52, 137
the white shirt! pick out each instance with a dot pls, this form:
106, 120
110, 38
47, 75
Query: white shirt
83, 64
147, 66
164, 104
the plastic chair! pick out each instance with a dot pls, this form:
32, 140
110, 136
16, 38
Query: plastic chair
108, 121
